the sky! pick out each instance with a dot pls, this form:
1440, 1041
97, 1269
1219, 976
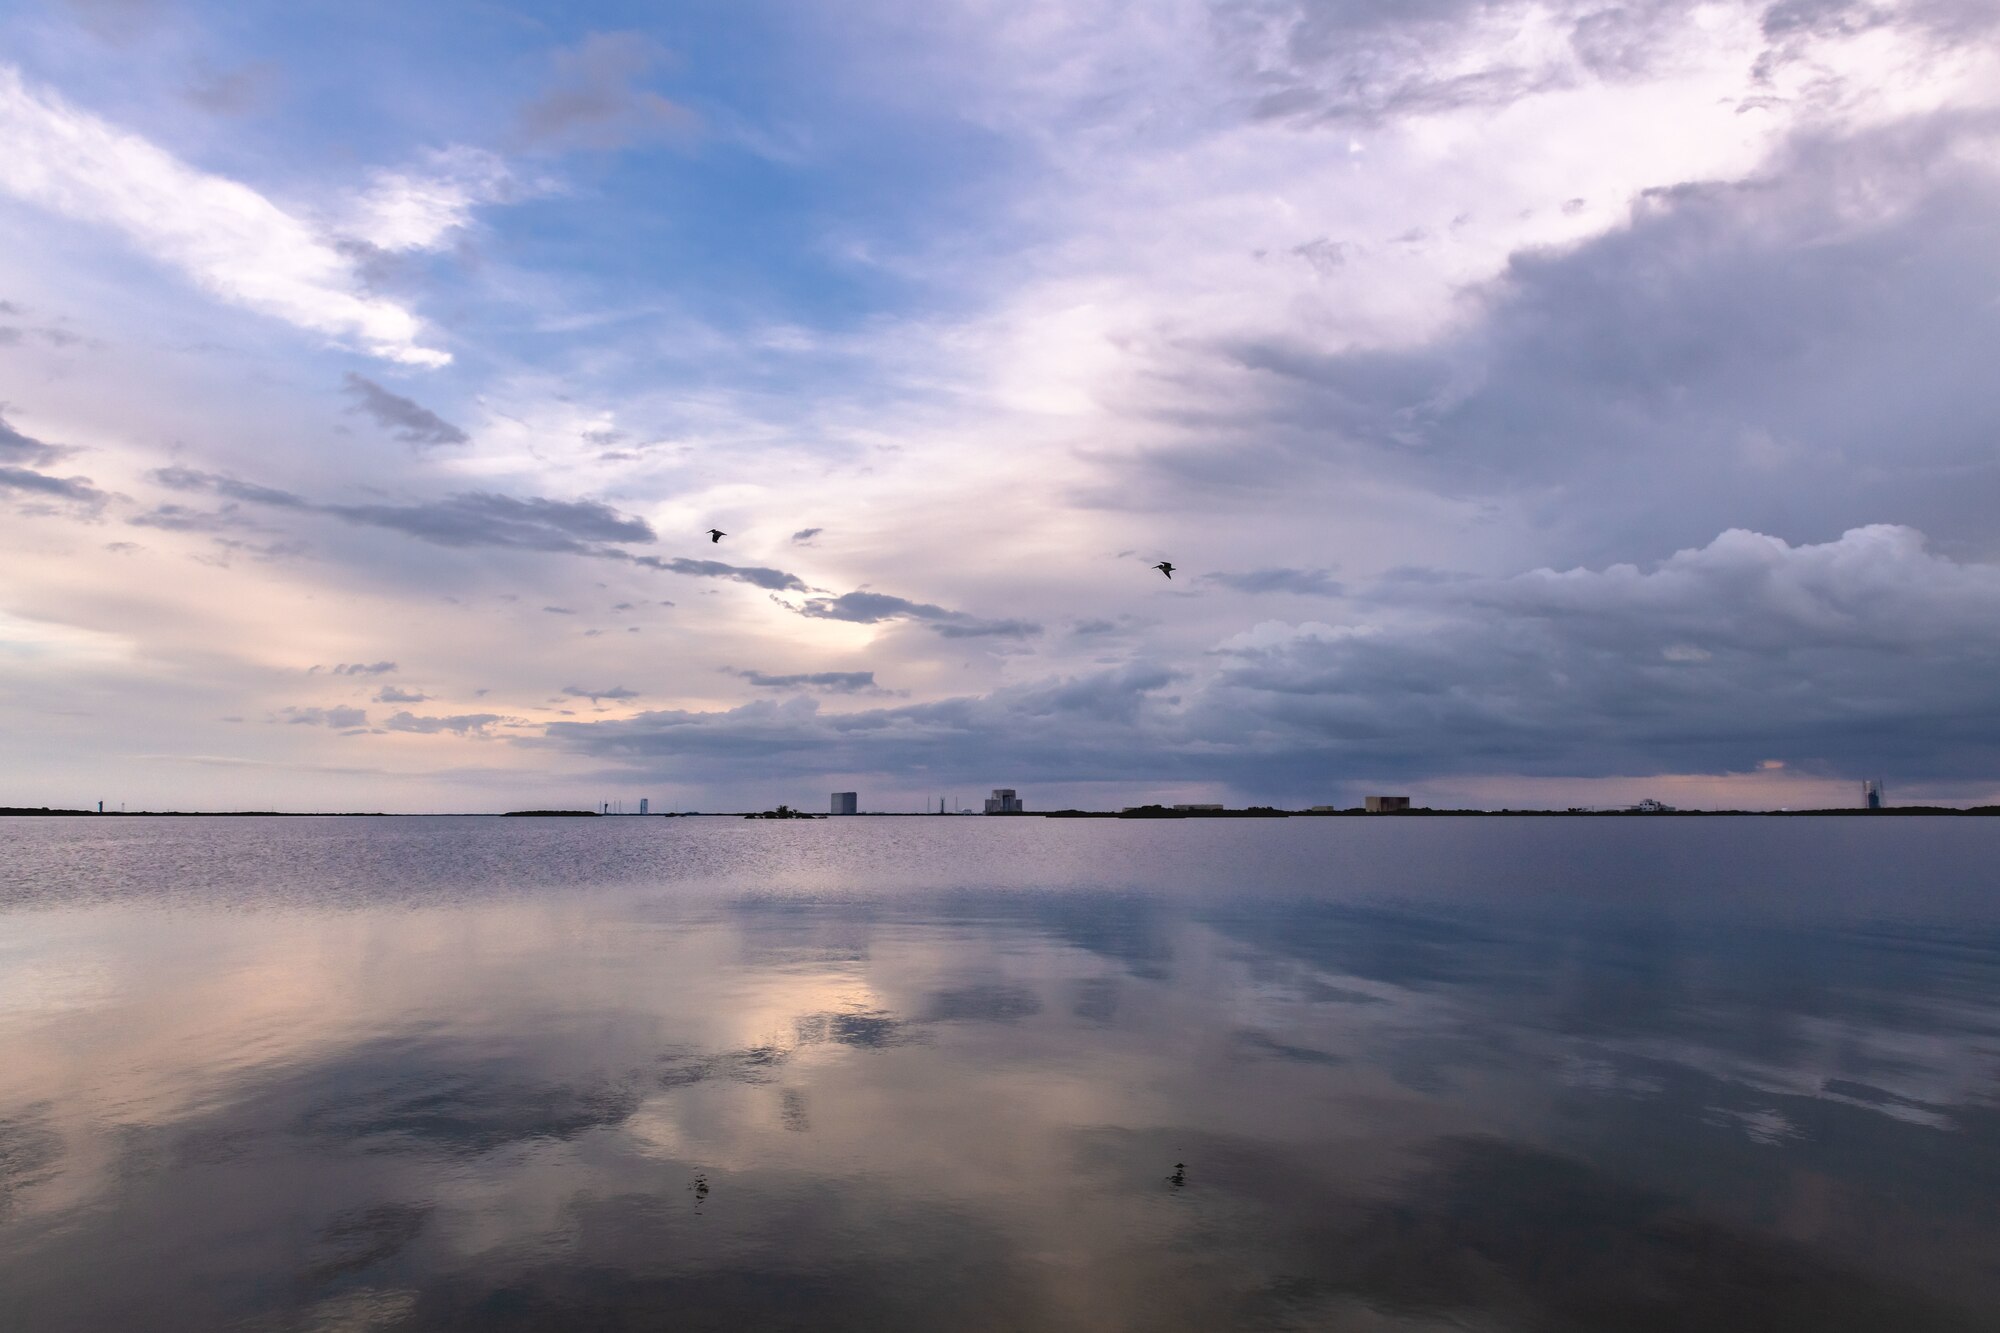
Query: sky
1542, 404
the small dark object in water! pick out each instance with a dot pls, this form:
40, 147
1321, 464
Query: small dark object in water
1179, 1177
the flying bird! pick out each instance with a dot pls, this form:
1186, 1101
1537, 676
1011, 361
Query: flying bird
1166, 567
716, 535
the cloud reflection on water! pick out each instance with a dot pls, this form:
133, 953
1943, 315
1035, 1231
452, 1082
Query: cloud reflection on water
927, 1108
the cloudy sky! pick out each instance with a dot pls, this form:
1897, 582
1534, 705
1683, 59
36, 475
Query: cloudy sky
1548, 403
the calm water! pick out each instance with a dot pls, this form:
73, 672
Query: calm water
984, 1074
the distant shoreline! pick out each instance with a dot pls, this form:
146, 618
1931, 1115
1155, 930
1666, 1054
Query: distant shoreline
1141, 812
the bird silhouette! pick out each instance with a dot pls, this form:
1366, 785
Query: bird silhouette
716, 535
1166, 567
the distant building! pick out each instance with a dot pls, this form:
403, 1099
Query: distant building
1003, 801
1649, 806
847, 803
645, 805
1382, 805
1871, 793
1198, 807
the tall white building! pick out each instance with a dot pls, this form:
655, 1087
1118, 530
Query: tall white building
846, 803
645, 805
1003, 801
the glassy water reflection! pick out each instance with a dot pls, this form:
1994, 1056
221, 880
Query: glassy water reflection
969, 1074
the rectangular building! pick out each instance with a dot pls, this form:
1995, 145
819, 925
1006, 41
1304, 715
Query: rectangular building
1382, 805
1003, 801
645, 805
846, 803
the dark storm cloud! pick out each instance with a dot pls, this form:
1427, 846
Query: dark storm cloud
1303, 582
834, 682
870, 608
1797, 353
1070, 725
776, 580
1869, 651
1844, 658
462, 724
408, 421
597, 101
616, 692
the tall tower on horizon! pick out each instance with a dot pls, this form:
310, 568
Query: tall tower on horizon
1871, 793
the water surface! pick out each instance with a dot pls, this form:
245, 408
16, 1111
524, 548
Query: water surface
1397, 1074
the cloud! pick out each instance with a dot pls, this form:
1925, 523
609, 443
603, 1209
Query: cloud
422, 208
481, 518
616, 692
1303, 582
26, 451
361, 669
461, 724
1076, 725
190, 479
804, 536
1711, 363
833, 682
1850, 657
1865, 652
776, 580
475, 518
595, 101
408, 421
39, 488
224, 236
870, 608
181, 518
233, 92
338, 718
392, 694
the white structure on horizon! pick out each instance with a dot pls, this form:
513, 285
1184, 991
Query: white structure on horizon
847, 803
645, 805
1871, 794
1003, 801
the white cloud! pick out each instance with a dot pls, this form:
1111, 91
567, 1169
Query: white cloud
420, 208
229, 239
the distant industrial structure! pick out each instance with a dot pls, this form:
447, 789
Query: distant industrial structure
1871, 793
847, 803
1383, 805
1003, 801
1198, 807
645, 805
